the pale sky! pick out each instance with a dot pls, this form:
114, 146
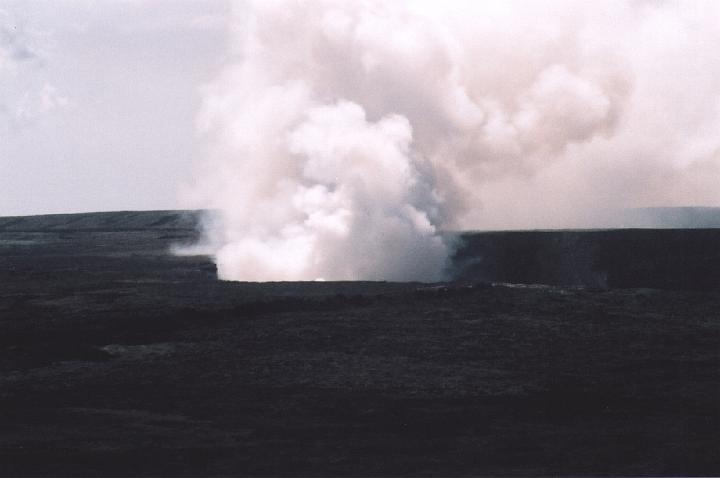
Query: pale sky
98, 101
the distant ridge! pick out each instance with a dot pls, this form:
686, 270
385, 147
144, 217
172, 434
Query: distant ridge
664, 248
632, 218
103, 221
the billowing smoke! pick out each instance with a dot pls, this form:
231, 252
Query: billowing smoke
344, 136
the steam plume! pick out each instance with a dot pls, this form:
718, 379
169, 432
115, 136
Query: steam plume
344, 135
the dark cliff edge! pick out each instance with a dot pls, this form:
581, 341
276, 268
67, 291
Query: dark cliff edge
684, 259
660, 258
115, 221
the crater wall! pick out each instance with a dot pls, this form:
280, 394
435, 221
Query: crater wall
687, 259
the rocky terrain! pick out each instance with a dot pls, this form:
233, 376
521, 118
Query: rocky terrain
550, 353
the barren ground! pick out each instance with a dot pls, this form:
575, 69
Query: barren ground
119, 359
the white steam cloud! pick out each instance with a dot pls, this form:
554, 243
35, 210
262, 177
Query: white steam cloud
343, 136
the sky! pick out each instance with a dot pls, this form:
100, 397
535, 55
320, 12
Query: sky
98, 101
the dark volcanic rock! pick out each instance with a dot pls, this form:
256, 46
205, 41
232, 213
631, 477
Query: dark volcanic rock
103, 221
623, 258
119, 359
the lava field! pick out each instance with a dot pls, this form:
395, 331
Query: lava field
581, 353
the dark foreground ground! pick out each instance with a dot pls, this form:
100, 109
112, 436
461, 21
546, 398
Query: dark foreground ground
118, 359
